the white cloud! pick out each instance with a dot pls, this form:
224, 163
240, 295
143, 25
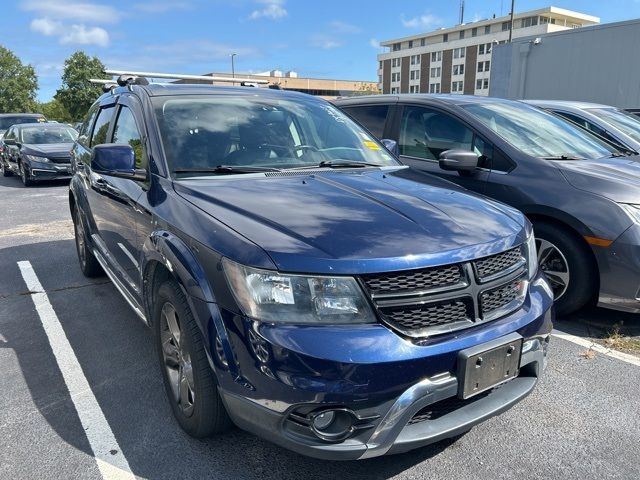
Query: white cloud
325, 41
199, 50
343, 27
161, 6
71, 34
273, 9
425, 21
78, 11
374, 43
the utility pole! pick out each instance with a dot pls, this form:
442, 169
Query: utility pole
233, 67
513, 7
461, 12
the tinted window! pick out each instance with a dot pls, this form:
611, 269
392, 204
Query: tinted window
85, 129
126, 132
373, 117
582, 122
623, 121
426, 133
203, 132
47, 134
102, 125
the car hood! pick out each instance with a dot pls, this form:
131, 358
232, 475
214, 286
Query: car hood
617, 179
342, 222
53, 150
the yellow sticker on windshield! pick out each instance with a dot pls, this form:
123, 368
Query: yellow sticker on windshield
371, 145
41, 120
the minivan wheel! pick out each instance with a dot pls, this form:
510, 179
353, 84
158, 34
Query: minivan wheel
568, 265
88, 263
188, 378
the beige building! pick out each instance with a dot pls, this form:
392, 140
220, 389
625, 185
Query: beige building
321, 87
458, 59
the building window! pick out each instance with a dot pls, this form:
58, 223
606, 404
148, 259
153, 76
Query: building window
457, 86
434, 88
423, 42
395, 62
506, 26
487, 66
415, 60
395, 77
414, 75
474, 32
436, 56
461, 34
459, 52
576, 25
379, 78
414, 89
435, 72
545, 20
445, 37
479, 84
481, 66
485, 84
528, 22
481, 50
482, 84
487, 29
458, 69
396, 47
410, 43
381, 65
394, 90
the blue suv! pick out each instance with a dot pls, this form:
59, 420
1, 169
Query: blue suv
297, 282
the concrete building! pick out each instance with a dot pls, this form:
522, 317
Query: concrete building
458, 59
322, 87
593, 64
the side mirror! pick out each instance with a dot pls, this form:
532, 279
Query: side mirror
116, 161
9, 141
459, 160
391, 145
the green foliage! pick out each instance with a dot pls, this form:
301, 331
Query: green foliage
76, 93
18, 84
54, 110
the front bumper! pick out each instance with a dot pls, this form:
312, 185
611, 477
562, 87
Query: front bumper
619, 266
390, 385
49, 171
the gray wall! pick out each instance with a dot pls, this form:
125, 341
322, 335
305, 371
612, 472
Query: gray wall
598, 64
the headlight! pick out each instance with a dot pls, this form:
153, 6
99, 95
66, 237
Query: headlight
632, 210
532, 255
33, 158
274, 297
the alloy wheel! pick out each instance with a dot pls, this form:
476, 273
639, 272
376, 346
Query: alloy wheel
177, 360
81, 240
555, 266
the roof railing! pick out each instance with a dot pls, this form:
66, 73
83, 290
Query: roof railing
127, 77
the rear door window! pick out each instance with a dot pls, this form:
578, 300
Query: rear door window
372, 117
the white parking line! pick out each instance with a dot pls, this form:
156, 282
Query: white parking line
109, 457
596, 347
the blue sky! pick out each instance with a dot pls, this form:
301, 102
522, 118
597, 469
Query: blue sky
321, 38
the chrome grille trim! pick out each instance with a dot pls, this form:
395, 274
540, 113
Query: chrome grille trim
418, 310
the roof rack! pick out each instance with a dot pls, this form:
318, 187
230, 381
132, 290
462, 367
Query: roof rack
107, 85
127, 77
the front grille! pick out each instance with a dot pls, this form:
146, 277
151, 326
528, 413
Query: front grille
444, 407
60, 160
431, 301
489, 266
492, 300
425, 316
417, 280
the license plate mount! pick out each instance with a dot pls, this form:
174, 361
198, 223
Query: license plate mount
486, 366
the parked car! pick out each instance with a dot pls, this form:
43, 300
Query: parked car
9, 119
37, 151
580, 193
295, 283
616, 126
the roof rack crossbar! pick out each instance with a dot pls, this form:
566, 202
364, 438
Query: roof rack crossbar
180, 76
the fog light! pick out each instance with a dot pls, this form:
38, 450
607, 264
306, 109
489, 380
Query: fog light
533, 344
324, 420
333, 425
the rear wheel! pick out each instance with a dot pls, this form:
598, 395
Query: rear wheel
24, 175
188, 378
3, 168
88, 263
568, 265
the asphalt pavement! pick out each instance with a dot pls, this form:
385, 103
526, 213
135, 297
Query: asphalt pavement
581, 422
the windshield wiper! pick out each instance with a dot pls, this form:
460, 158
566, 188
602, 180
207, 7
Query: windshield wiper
227, 170
564, 157
338, 163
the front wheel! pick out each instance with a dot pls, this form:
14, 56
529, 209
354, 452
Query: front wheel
568, 265
3, 168
188, 378
24, 175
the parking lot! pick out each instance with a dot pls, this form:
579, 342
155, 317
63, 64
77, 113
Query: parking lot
582, 422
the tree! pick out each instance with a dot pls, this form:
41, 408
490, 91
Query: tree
76, 93
54, 110
18, 84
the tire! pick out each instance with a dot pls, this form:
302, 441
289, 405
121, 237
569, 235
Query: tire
88, 262
3, 168
189, 381
24, 176
557, 246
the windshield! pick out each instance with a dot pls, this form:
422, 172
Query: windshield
50, 134
6, 122
625, 122
253, 132
538, 133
